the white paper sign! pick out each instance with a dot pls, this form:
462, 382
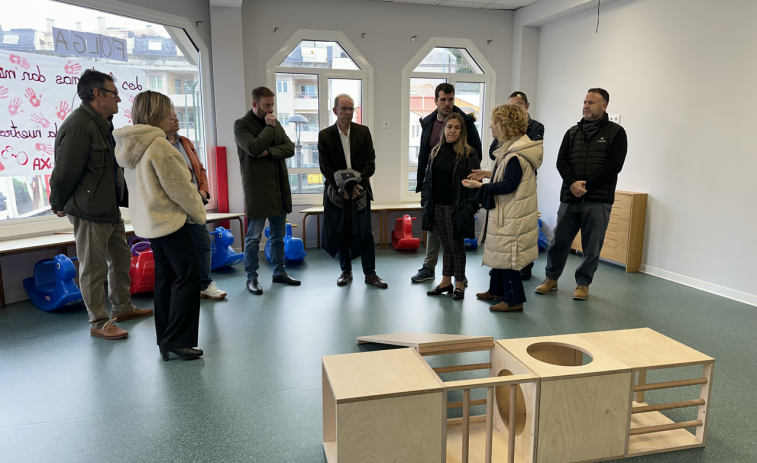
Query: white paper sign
37, 93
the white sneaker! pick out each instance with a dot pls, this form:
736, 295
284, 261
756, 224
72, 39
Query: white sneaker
212, 292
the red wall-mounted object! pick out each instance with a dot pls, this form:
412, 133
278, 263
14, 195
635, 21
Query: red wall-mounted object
222, 183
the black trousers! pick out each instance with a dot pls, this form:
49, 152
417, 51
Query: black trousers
453, 250
367, 253
507, 284
177, 289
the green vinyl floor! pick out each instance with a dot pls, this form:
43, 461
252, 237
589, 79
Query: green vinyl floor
255, 396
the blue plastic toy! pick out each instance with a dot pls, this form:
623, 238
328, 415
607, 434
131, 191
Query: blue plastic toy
222, 255
471, 243
294, 249
542, 242
52, 286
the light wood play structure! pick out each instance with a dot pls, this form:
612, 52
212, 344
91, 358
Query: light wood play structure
555, 399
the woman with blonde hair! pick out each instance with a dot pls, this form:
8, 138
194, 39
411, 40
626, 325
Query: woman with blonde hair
162, 203
448, 208
510, 232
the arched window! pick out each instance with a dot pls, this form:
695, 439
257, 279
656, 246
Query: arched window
454, 61
307, 73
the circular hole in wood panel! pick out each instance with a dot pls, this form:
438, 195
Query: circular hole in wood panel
503, 404
563, 355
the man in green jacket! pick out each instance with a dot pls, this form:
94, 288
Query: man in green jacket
88, 185
263, 148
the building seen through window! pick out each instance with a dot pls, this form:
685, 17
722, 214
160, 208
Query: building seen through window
157, 58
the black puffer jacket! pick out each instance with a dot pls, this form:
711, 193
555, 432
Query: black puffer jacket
597, 161
427, 126
464, 204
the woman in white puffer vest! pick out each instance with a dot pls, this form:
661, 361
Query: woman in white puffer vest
510, 232
162, 202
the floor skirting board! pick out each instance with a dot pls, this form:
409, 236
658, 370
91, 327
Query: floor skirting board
736, 295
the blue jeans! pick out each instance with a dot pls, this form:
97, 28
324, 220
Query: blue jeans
201, 239
277, 230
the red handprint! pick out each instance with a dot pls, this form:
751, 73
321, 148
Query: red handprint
131, 99
33, 97
47, 149
15, 59
63, 110
127, 114
13, 107
40, 119
72, 68
3, 92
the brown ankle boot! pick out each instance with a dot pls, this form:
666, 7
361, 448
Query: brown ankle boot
504, 307
548, 286
581, 293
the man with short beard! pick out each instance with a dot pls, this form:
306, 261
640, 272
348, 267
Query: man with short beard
263, 148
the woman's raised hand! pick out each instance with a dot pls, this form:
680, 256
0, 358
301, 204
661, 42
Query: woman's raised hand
478, 175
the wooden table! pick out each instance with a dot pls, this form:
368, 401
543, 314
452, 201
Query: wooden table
65, 238
382, 210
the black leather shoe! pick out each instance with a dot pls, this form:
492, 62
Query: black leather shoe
344, 278
254, 287
439, 290
458, 294
187, 353
286, 279
525, 274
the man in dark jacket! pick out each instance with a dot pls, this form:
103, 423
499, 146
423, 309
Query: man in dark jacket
263, 148
535, 132
431, 131
346, 145
88, 185
591, 156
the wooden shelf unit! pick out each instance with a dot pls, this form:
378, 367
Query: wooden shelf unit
624, 240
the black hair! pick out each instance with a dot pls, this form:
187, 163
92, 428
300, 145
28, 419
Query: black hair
521, 95
443, 88
88, 82
601, 91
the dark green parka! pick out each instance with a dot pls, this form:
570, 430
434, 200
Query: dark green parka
265, 179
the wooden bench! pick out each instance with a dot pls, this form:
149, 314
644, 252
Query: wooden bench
65, 238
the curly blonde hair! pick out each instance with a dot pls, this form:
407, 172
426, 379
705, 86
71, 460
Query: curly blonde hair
512, 121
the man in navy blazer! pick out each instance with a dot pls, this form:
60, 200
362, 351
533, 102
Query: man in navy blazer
346, 145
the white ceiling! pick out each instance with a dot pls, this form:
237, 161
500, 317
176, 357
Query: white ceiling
479, 4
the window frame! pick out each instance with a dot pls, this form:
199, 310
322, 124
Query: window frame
44, 225
365, 74
488, 78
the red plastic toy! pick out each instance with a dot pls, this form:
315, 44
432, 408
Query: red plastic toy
142, 270
402, 236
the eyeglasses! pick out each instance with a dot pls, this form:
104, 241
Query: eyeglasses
347, 108
115, 93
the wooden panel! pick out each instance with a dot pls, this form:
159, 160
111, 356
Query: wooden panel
421, 339
636, 232
389, 373
471, 367
395, 429
329, 408
665, 441
614, 253
477, 445
489, 382
645, 348
583, 419
456, 348
525, 442
601, 363
705, 394
329, 448
618, 224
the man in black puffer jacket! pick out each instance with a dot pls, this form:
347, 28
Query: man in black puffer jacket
431, 130
591, 156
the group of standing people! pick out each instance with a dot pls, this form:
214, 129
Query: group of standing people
591, 156
158, 175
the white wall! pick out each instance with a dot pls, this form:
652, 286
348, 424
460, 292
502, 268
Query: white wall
388, 48
681, 74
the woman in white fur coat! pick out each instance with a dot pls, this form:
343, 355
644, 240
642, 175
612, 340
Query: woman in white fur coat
510, 232
162, 201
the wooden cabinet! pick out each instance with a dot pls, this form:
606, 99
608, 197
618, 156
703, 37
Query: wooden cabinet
624, 240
